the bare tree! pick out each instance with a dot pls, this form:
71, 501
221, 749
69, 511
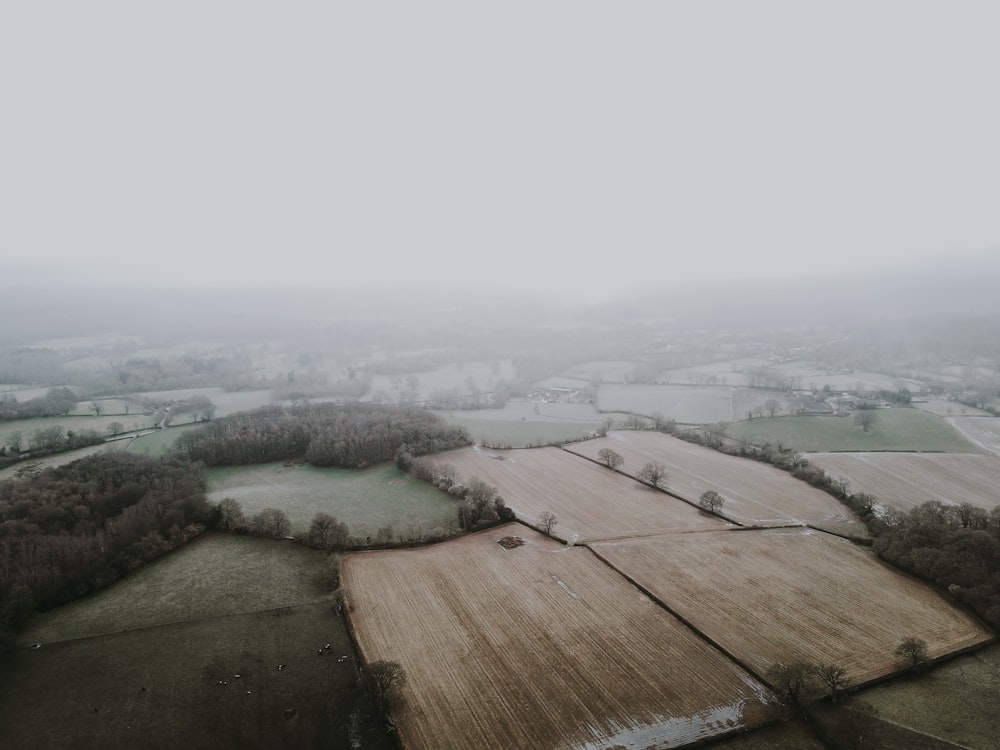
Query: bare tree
270, 522
611, 458
547, 521
865, 419
383, 682
914, 650
711, 501
772, 406
654, 472
834, 677
791, 681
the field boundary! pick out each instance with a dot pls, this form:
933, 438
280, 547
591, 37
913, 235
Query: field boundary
680, 618
170, 623
659, 489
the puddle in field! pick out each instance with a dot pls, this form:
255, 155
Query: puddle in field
674, 731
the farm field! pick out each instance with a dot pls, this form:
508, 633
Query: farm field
100, 424
589, 501
216, 574
365, 499
226, 402
683, 403
59, 459
905, 480
527, 423
159, 442
563, 651
983, 431
778, 596
754, 493
899, 429
814, 376
945, 408
606, 371
445, 378
955, 700
688, 404
158, 687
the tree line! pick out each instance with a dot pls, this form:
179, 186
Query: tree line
956, 547
74, 529
56, 402
351, 436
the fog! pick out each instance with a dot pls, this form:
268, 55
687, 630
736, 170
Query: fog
568, 147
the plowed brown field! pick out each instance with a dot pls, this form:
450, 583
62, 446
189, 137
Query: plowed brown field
754, 493
540, 646
787, 595
905, 480
589, 501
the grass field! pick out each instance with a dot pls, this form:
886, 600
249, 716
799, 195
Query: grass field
216, 608
956, 700
526, 423
894, 430
226, 402
905, 480
945, 408
754, 493
486, 374
158, 688
159, 442
100, 424
983, 431
59, 459
537, 647
216, 574
785, 595
365, 499
589, 501
814, 376
683, 403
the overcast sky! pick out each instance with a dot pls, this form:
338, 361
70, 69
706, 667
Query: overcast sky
531, 143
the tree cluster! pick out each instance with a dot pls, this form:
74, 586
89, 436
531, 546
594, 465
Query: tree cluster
74, 529
56, 402
956, 547
45, 441
352, 436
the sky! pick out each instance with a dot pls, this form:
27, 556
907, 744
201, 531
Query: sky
571, 145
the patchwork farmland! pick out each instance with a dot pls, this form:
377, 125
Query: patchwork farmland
778, 596
544, 633
590, 501
754, 493
565, 652
905, 480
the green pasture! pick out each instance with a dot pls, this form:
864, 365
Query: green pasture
77, 424
524, 423
365, 499
160, 442
226, 402
216, 574
899, 429
955, 701
159, 688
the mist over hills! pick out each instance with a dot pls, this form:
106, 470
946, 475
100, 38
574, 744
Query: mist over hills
955, 286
